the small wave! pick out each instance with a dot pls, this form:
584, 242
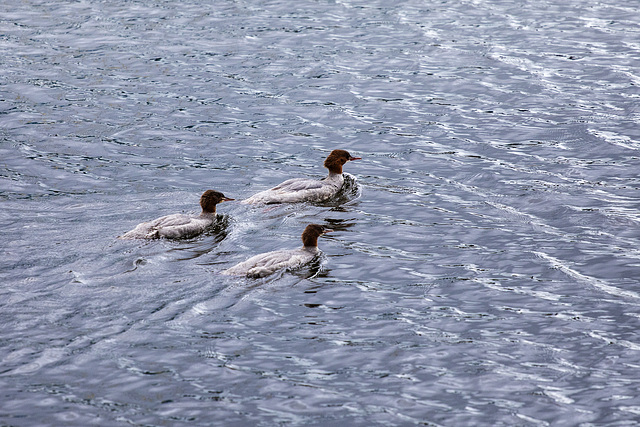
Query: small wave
596, 283
616, 139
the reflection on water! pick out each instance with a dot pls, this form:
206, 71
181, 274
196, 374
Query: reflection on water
484, 265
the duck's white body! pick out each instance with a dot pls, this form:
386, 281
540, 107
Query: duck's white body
176, 226
300, 190
305, 189
268, 263
180, 226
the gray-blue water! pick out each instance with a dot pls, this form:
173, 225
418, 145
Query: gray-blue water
485, 268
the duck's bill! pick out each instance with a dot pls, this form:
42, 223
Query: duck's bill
355, 158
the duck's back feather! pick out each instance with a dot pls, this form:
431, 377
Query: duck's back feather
265, 264
299, 190
169, 226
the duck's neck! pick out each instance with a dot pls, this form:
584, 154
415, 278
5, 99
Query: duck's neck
335, 169
310, 242
335, 176
208, 214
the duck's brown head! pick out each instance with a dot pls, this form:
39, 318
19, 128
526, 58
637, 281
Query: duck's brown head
210, 199
336, 159
311, 233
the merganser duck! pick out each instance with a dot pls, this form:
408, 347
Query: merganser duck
265, 264
179, 226
305, 189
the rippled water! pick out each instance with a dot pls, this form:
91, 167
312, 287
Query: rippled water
485, 266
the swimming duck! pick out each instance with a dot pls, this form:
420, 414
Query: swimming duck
305, 189
268, 263
178, 226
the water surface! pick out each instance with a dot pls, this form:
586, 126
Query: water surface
485, 264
